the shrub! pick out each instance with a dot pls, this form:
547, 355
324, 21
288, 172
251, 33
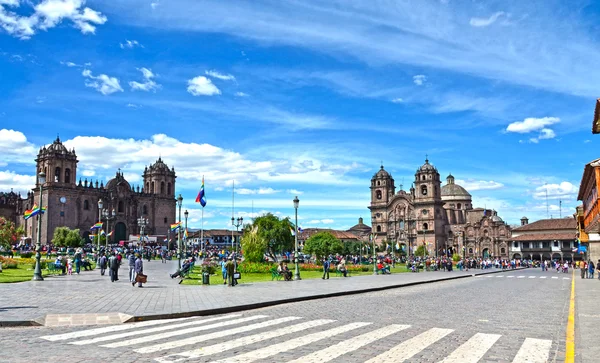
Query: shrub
209, 266
255, 267
26, 254
8, 262
456, 257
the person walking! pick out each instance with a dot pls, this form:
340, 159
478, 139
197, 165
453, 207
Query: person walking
139, 269
103, 261
325, 268
224, 271
77, 261
583, 269
591, 269
113, 266
131, 261
230, 267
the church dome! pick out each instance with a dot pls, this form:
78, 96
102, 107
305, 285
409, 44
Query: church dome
57, 147
382, 174
496, 218
427, 167
118, 180
454, 190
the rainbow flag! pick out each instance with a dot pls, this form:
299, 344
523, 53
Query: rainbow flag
33, 212
175, 226
201, 198
110, 234
185, 234
102, 233
292, 230
96, 226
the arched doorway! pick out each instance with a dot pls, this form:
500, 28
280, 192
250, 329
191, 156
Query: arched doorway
517, 256
486, 253
556, 257
535, 257
120, 232
567, 257
545, 256
86, 237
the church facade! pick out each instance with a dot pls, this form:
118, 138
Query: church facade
75, 204
441, 218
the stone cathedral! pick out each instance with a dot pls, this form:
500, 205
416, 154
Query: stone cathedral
441, 218
74, 203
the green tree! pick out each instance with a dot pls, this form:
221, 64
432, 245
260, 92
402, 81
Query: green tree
253, 245
323, 244
9, 233
421, 251
456, 257
66, 237
276, 232
351, 248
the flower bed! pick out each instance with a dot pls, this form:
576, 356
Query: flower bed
265, 267
8, 262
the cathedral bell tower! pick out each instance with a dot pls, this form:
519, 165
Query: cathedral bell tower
382, 191
59, 165
428, 206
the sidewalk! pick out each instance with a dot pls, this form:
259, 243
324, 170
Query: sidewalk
587, 319
89, 298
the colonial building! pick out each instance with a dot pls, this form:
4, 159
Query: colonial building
361, 230
589, 215
74, 204
440, 218
215, 237
546, 239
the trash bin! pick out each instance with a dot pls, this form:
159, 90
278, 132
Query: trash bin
205, 278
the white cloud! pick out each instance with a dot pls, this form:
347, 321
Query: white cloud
221, 76
88, 172
327, 221
295, 192
587, 141
102, 83
563, 190
70, 64
419, 79
17, 182
531, 124
154, 4
397, 100
262, 191
148, 85
319, 221
48, 14
241, 94
202, 86
14, 147
130, 44
473, 185
133, 105
483, 22
544, 134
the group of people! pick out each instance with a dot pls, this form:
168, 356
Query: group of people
113, 263
68, 264
587, 269
228, 270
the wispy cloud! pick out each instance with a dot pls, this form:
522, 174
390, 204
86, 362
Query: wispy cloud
202, 86
221, 76
532, 124
130, 44
419, 79
102, 83
149, 83
483, 22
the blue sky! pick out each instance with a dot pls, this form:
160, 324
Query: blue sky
306, 98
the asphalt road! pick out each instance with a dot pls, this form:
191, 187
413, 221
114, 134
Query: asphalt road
516, 316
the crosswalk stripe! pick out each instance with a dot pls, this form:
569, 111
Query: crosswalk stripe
532, 277
236, 343
107, 329
175, 333
555, 277
288, 345
490, 276
509, 277
410, 347
151, 330
542, 277
533, 351
499, 276
520, 277
473, 349
566, 278
330, 353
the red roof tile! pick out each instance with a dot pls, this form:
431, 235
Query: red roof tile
544, 237
547, 225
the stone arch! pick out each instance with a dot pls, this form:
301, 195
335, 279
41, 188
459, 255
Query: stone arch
86, 205
162, 187
378, 228
169, 188
152, 190
57, 174
67, 175
120, 207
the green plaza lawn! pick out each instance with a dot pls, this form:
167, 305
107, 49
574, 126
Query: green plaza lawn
24, 272
196, 277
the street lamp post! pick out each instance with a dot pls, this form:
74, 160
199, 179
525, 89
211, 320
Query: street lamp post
186, 214
142, 222
109, 216
374, 254
234, 248
37, 272
179, 202
297, 268
100, 204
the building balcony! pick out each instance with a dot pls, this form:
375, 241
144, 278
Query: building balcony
536, 249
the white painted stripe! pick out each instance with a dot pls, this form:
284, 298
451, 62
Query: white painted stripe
490, 276
150, 338
520, 277
263, 353
108, 329
532, 277
542, 277
410, 347
151, 330
533, 351
566, 278
473, 349
236, 343
330, 353
555, 277
500, 276
509, 277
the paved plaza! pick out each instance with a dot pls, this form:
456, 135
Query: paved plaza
500, 317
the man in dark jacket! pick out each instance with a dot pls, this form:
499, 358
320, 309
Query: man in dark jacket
139, 268
113, 266
103, 261
325, 268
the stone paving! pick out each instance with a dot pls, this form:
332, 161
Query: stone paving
587, 319
461, 321
89, 293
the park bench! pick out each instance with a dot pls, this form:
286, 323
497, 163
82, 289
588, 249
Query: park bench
339, 273
186, 274
275, 275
